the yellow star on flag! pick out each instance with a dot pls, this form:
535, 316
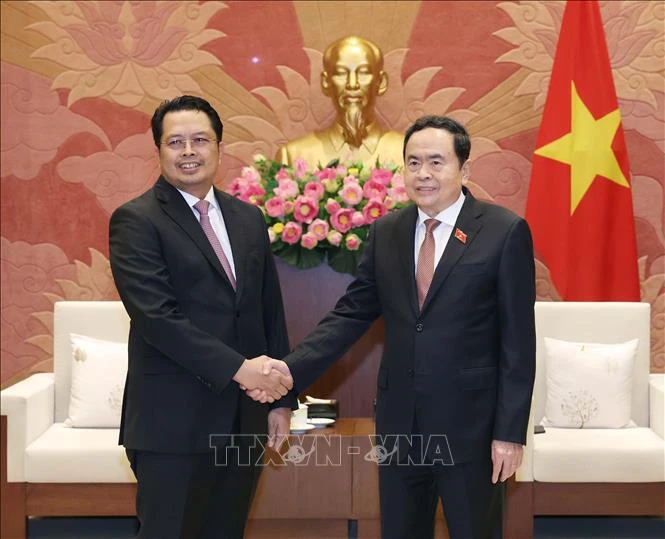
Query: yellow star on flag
587, 149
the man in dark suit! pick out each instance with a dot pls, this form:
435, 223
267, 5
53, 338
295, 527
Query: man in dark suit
454, 280
195, 272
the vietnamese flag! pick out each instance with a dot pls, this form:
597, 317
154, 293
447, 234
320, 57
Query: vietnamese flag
579, 205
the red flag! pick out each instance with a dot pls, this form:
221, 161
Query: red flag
580, 206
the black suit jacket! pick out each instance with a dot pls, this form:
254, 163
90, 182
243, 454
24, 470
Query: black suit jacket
189, 330
464, 366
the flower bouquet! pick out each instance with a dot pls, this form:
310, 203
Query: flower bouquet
323, 213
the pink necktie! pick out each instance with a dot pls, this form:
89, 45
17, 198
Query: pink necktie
425, 270
202, 206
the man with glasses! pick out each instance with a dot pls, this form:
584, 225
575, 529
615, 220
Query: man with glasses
195, 272
454, 279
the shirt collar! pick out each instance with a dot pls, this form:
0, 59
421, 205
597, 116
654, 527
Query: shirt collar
191, 199
448, 216
370, 142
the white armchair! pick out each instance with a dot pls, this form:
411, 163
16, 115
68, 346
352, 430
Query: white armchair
49, 469
593, 471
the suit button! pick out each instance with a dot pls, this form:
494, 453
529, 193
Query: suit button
237, 314
411, 372
419, 327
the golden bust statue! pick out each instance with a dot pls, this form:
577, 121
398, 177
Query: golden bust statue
353, 78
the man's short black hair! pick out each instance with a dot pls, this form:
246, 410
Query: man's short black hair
462, 142
184, 102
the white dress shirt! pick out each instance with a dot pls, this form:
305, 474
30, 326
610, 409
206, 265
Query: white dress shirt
442, 233
216, 221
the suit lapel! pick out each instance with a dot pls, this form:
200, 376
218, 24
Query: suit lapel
469, 224
234, 228
177, 208
405, 231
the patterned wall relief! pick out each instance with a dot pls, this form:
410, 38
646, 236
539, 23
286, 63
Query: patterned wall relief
29, 275
34, 123
125, 51
114, 177
80, 80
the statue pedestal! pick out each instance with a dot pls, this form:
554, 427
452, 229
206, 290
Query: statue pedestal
308, 295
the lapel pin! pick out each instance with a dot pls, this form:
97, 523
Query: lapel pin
461, 236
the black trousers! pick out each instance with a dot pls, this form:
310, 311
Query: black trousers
197, 496
409, 492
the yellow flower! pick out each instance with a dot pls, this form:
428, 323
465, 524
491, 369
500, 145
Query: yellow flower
353, 171
277, 228
330, 185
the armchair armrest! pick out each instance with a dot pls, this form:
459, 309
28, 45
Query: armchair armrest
30, 409
657, 404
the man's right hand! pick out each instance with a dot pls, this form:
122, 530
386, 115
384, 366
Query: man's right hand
264, 379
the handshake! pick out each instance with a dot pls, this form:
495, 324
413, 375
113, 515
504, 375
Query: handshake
264, 379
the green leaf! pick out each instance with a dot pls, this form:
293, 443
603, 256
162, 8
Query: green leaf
296, 255
344, 261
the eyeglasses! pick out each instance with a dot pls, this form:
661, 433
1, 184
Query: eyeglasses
178, 144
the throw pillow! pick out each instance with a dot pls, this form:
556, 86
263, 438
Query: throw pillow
99, 369
589, 385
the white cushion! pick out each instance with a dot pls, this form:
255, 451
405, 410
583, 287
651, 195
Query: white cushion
65, 455
106, 320
602, 322
588, 385
598, 456
99, 369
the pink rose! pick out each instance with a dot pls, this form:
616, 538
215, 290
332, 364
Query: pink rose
397, 180
305, 210
341, 221
308, 241
381, 175
332, 206
237, 186
319, 228
352, 242
341, 170
275, 207
253, 194
351, 193
250, 174
350, 179
326, 174
374, 210
286, 188
314, 190
282, 174
289, 206
291, 233
374, 189
389, 203
301, 167
398, 194
357, 219
334, 238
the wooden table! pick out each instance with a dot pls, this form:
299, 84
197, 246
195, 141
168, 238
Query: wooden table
331, 491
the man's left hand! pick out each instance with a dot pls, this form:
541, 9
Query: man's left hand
279, 426
506, 458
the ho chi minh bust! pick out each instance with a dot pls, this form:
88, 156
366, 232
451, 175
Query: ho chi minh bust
353, 78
